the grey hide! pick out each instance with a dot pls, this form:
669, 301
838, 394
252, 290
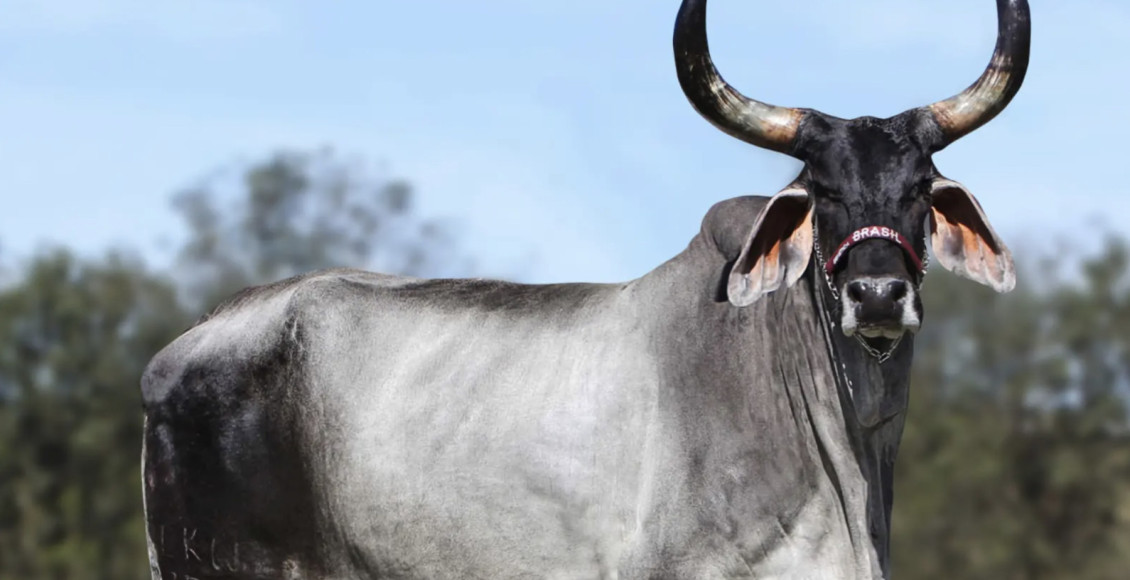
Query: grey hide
351, 425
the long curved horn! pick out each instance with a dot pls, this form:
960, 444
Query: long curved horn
961, 114
751, 121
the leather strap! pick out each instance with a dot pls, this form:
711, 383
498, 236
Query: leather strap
872, 233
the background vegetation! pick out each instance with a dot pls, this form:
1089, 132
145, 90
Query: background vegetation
1015, 463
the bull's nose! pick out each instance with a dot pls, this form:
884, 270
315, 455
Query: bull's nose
879, 307
877, 293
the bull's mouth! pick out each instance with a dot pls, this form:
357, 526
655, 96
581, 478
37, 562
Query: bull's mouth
889, 332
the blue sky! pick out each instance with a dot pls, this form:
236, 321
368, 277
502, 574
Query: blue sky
553, 134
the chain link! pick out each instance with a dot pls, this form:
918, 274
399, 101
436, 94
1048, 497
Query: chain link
926, 261
821, 261
880, 356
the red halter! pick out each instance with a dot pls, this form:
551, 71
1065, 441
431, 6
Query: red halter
869, 233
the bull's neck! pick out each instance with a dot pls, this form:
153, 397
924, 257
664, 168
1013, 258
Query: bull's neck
874, 396
852, 406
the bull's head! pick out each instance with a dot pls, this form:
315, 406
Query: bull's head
860, 207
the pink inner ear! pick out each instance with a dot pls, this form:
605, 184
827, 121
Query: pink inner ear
963, 240
780, 257
778, 249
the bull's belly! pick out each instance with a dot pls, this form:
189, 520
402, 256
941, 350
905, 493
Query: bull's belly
537, 535
531, 516
413, 502
479, 529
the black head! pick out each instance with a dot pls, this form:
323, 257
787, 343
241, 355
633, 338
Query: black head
869, 194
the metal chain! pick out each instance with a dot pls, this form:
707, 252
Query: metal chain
925, 262
880, 356
820, 259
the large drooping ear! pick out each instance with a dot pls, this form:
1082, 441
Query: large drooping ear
963, 240
778, 248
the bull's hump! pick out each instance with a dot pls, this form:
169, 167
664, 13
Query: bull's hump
728, 223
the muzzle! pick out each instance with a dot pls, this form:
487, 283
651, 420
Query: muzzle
895, 294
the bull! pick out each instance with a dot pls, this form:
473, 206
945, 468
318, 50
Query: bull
736, 412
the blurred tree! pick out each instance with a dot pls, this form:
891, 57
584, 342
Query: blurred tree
76, 334
299, 212
1016, 455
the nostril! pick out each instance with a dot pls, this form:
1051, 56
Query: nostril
897, 290
855, 291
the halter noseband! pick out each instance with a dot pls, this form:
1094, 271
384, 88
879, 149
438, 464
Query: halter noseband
873, 233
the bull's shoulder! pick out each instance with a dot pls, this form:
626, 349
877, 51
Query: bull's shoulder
728, 223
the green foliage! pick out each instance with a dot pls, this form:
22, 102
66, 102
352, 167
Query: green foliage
75, 337
1015, 461
301, 212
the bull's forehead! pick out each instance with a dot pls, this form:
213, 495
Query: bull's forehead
868, 162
